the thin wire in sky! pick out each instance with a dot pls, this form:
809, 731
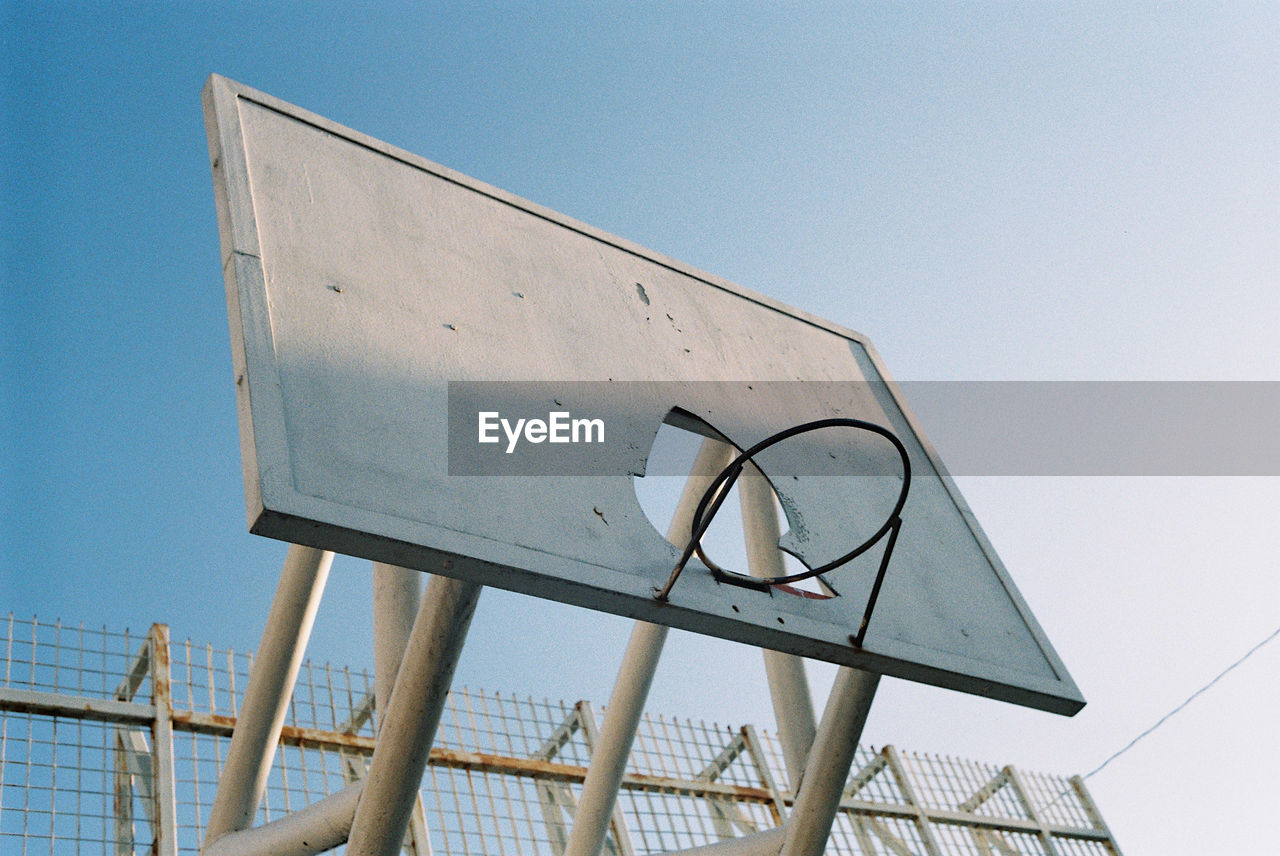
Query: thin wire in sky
1188, 701
1162, 720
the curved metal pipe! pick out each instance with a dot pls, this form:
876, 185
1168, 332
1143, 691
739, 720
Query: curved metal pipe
317, 828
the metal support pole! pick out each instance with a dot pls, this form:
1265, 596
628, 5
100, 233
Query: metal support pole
1095, 816
829, 762
609, 760
591, 730
318, 828
1024, 797
635, 676
899, 770
412, 716
788, 686
122, 799
266, 700
163, 789
396, 597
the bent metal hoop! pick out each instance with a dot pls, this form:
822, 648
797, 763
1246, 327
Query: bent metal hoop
718, 490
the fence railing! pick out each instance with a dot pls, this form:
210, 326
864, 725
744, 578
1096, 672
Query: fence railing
111, 742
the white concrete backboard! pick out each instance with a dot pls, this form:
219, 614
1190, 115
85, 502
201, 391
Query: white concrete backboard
362, 281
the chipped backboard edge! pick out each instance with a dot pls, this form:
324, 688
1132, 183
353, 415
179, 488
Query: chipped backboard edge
242, 267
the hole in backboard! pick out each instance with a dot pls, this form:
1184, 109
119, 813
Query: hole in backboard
658, 492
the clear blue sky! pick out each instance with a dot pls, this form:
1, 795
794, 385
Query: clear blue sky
988, 191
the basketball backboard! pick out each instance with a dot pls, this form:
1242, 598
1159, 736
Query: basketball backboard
388, 313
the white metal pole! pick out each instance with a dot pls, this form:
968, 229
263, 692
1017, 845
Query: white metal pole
412, 716
122, 801
396, 593
788, 686
609, 760
396, 596
266, 700
635, 676
319, 827
827, 768
163, 789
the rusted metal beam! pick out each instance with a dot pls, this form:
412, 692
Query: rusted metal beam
986, 792
458, 759
777, 804
163, 778
80, 707
205, 723
860, 779
1024, 797
133, 678
1095, 816
863, 808
108, 710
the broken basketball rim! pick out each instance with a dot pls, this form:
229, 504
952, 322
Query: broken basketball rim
718, 490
